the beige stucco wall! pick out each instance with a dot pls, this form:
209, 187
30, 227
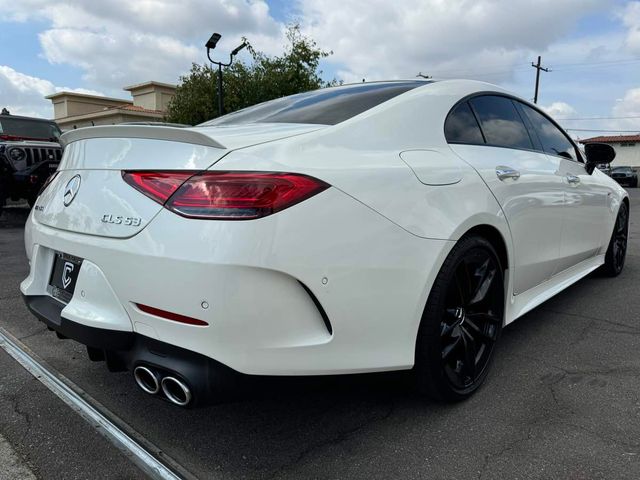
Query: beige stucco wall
82, 106
114, 118
77, 110
628, 156
70, 123
71, 104
152, 96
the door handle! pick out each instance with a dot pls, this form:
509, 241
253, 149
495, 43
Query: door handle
573, 179
504, 173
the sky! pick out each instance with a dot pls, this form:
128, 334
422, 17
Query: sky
592, 47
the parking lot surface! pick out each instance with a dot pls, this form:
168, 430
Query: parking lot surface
562, 402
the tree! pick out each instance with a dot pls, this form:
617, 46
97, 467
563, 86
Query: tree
246, 84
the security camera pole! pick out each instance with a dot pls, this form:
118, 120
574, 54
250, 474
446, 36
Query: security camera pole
211, 44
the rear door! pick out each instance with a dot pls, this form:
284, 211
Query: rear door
488, 132
586, 197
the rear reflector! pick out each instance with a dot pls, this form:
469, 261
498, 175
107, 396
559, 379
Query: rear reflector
225, 195
176, 317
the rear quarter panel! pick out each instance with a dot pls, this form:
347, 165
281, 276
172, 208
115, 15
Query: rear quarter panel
362, 157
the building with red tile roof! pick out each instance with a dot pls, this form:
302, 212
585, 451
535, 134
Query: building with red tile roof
149, 104
627, 148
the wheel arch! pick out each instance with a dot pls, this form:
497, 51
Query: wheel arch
476, 236
495, 237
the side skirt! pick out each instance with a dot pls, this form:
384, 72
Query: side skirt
527, 301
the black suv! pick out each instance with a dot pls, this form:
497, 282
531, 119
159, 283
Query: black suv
29, 153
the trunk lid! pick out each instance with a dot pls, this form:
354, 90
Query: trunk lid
88, 194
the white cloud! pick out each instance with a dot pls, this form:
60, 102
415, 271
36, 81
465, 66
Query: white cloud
560, 110
383, 39
121, 42
631, 19
23, 94
627, 106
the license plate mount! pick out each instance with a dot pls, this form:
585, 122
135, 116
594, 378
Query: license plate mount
64, 276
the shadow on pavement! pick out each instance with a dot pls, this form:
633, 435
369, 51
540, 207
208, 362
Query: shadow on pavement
14, 216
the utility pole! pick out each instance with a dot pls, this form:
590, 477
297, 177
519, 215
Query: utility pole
538, 67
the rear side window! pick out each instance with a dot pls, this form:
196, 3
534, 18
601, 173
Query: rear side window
500, 122
461, 126
554, 141
327, 106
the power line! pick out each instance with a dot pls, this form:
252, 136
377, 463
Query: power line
599, 118
449, 73
510, 68
591, 64
599, 130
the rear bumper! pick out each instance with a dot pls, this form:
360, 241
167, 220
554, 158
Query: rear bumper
206, 378
291, 294
49, 311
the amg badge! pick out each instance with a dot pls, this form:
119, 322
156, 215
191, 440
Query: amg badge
120, 220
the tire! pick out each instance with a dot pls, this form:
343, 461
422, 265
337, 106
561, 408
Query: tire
635, 183
464, 314
617, 250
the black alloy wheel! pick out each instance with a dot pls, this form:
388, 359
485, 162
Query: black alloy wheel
462, 322
617, 251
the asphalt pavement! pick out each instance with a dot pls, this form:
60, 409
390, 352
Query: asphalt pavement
562, 402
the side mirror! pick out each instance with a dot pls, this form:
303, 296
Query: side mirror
598, 153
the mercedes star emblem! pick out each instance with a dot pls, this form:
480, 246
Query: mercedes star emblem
71, 190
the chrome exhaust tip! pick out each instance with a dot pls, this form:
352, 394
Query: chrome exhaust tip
176, 391
146, 379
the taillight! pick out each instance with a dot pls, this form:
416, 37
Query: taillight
226, 195
158, 186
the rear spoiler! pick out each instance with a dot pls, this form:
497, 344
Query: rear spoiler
171, 134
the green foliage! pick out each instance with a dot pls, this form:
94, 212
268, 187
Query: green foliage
246, 84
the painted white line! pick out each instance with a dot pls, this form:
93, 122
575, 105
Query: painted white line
140, 456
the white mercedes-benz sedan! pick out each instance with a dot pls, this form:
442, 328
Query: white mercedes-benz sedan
367, 227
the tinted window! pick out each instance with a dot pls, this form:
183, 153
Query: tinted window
326, 106
29, 129
553, 140
500, 121
461, 126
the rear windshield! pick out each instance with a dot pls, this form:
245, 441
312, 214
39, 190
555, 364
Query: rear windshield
28, 129
327, 106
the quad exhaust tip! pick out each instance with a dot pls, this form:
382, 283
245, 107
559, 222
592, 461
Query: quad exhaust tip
176, 391
146, 379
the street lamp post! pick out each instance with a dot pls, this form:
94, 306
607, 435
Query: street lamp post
211, 44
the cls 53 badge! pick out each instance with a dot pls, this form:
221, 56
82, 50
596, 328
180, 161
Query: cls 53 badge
120, 220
